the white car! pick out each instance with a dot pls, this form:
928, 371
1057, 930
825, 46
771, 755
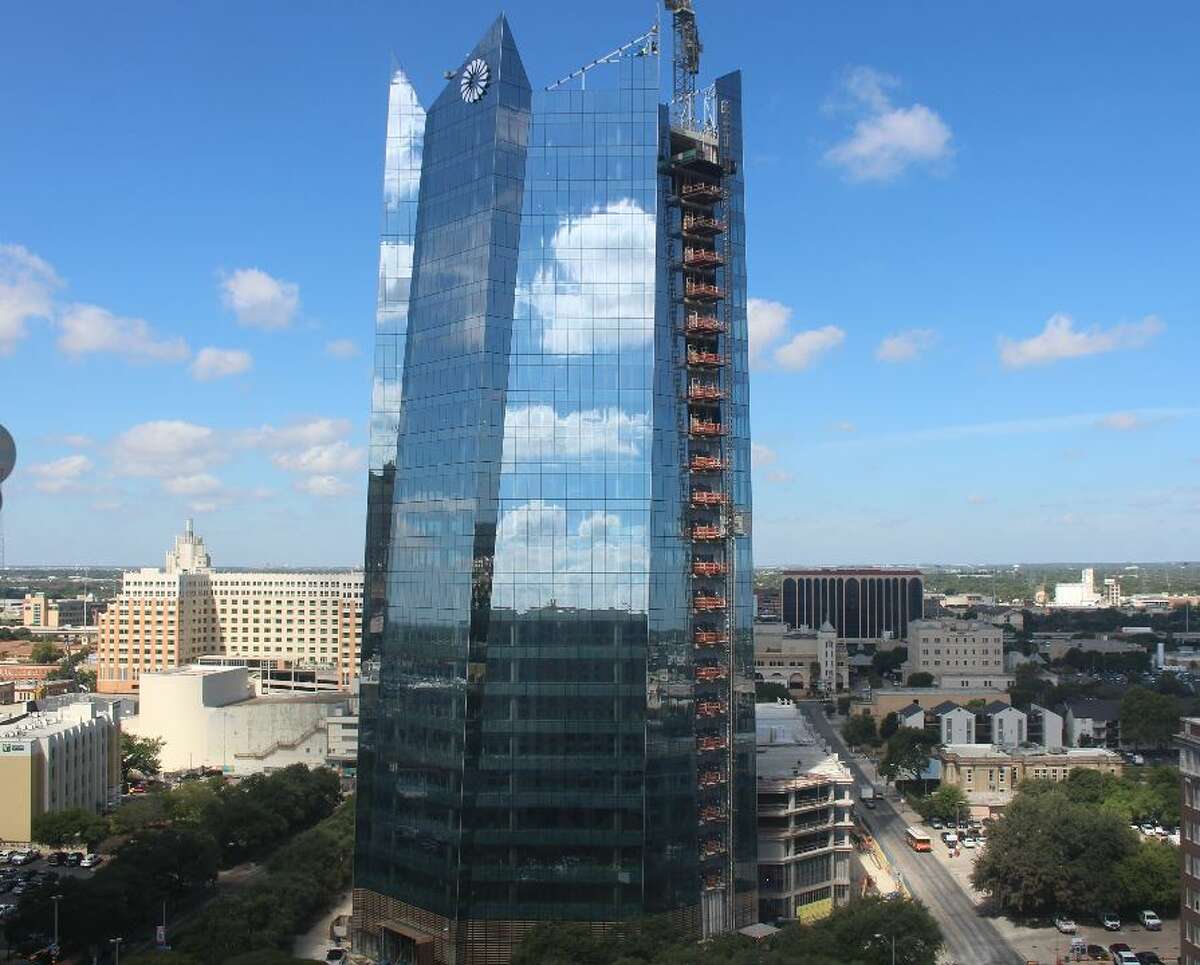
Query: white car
1064, 925
1150, 921
968, 842
90, 861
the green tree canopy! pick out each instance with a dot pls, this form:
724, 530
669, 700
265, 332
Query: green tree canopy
140, 754
860, 729
74, 826
1148, 719
45, 653
891, 724
947, 803
906, 754
767, 692
920, 679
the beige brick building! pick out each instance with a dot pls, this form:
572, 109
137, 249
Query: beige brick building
958, 653
172, 616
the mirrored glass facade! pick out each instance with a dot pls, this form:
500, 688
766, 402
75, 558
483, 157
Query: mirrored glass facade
558, 722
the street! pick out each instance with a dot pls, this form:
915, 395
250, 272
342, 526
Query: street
970, 938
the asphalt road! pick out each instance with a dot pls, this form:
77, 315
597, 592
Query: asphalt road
970, 938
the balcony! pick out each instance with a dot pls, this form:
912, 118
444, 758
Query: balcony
710, 813
703, 533
703, 258
707, 603
705, 427
708, 568
711, 743
702, 291
714, 882
706, 464
711, 708
710, 779
711, 848
697, 324
711, 673
706, 497
709, 638
702, 226
701, 192
704, 392
697, 356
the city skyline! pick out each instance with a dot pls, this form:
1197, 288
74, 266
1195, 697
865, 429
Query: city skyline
961, 297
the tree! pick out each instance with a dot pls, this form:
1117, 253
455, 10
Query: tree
57, 828
767, 692
45, 653
140, 754
918, 938
884, 662
891, 724
860, 729
1148, 719
1149, 877
906, 754
947, 803
1049, 853
920, 679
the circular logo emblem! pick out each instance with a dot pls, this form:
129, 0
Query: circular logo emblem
474, 82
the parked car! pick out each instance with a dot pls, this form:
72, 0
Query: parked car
56, 858
1064, 924
968, 842
90, 861
1111, 921
1098, 953
1150, 921
335, 955
1124, 958
935, 824
7, 911
74, 858
1148, 958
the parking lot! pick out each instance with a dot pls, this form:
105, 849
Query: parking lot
15, 879
1043, 942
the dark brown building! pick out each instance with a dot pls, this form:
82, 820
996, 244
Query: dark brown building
861, 603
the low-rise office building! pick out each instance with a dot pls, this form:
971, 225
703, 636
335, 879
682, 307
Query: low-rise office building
41, 611
801, 659
957, 653
1056, 650
989, 773
804, 820
58, 759
862, 604
24, 690
213, 717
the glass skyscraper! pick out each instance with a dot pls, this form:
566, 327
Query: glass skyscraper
558, 696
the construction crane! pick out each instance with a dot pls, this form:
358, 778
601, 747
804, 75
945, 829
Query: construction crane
687, 50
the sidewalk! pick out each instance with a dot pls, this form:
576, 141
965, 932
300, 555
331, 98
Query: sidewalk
315, 942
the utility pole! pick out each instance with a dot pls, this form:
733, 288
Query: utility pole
56, 899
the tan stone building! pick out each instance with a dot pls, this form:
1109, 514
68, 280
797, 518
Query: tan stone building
989, 773
54, 760
801, 659
894, 699
171, 617
958, 653
37, 610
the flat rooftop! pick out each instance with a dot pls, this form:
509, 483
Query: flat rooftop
786, 741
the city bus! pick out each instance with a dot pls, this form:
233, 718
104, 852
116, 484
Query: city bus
917, 840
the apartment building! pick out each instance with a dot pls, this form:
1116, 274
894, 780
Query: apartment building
1189, 840
804, 820
55, 760
958, 653
173, 616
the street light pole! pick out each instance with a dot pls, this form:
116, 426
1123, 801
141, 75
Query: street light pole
56, 899
116, 944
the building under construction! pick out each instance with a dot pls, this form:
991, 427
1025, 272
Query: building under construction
557, 662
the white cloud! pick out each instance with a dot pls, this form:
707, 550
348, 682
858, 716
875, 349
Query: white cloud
341, 348
904, 346
61, 475
779, 476
260, 301
761, 456
90, 329
887, 139
312, 432
167, 448
77, 441
978, 499
220, 363
1061, 340
27, 286
324, 486
197, 484
804, 348
537, 433
766, 321
594, 289
329, 458
847, 427
1125, 422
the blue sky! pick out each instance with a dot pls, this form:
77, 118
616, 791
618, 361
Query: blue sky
972, 246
